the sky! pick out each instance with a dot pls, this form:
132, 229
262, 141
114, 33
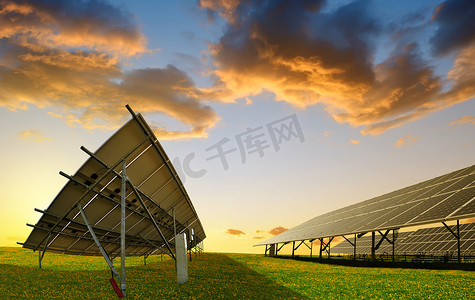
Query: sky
316, 105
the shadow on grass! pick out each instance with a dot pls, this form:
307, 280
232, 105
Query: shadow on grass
211, 276
385, 264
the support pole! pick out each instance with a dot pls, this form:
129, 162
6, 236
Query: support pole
122, 229
311, 248
354, 249
373, 246
276, 249
458, 241
394, 243
321, 247
293, 249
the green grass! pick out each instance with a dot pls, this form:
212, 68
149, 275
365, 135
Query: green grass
222, 276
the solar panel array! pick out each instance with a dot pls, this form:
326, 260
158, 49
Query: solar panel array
96, 186
447, 197
429, 241
439, 241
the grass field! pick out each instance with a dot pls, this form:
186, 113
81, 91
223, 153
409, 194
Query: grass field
222, 276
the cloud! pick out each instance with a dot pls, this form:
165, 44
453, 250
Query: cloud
42, 25
464, 120
235, 232
33, 135
260, 231
456, 20
259, 237
406, 141
304, 56
277, 230
69, 57
355, 142
327, 133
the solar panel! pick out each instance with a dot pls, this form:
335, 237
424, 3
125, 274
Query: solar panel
96, 188
446, 197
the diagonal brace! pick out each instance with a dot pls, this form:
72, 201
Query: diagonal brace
383, 237
351, 243
151, 217
104, 253
451, 231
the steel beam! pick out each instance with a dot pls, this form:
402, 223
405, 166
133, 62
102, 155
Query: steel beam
122, 229
104, 253
373, 248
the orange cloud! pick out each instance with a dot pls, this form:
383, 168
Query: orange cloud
406, 141
93, 24
464, 120
277, 230
355, 142
235, 232
328, 58
42, 66
260, 231
259, 237
33, 135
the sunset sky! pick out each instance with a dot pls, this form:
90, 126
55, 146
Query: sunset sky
316, 104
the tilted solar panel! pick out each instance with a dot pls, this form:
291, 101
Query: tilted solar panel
447, 197
154, 197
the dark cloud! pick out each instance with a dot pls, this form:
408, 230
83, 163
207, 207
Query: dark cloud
306, 56
277, 230
456, 23
235, 232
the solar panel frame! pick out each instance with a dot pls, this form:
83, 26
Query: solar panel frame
97, 185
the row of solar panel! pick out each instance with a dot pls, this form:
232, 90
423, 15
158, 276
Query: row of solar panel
448, 196
434, 240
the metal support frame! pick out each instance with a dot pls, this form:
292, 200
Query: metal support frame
394, 244
98, 243
90, 188
295, 248
277, 249
124, 178
352, 244
136, 190
457, 236
325, 246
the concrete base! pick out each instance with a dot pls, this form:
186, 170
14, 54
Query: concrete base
181, 259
